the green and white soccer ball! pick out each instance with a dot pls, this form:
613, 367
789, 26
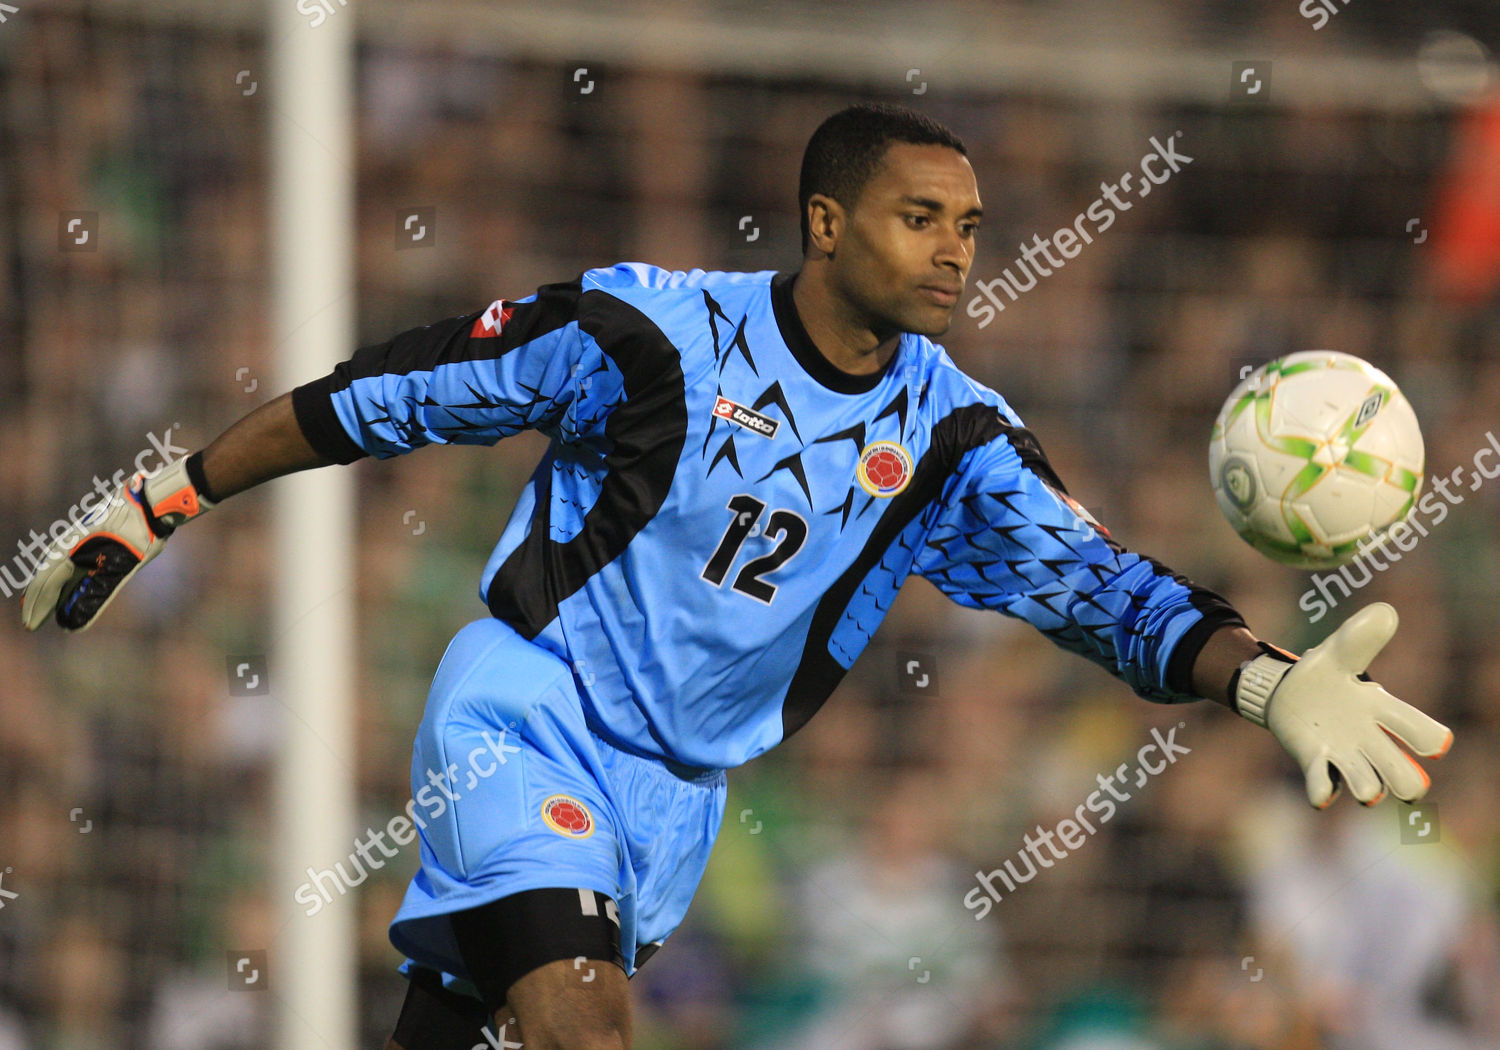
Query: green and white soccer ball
1312, 454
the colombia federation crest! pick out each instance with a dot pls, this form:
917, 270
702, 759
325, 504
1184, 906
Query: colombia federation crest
884, 468
565, 815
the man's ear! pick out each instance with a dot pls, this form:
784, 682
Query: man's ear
825, 223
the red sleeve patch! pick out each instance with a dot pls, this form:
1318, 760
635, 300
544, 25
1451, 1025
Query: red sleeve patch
489, 323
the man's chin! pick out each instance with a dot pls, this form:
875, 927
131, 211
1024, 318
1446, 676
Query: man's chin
931, 323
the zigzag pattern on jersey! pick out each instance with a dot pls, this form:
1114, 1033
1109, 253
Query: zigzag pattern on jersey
772, 396
1034, 569
1034, 553
869, 604
725, 345
483, 419
639, 447
495, 416
729, 342
575, 490
852, 606
1045, 564
427, 384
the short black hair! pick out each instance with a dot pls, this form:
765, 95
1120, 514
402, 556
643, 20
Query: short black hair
846, 150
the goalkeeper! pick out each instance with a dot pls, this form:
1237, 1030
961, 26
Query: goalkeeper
743, 469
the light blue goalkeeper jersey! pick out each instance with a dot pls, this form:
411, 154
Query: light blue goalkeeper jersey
723, 517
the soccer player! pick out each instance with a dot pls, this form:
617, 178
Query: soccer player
744, 467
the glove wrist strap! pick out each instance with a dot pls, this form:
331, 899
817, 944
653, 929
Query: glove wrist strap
171, 498
1257, 679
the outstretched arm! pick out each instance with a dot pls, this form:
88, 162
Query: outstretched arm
263, 445
83, 569
471, 379
1218, 661
1339, 725
1013, 540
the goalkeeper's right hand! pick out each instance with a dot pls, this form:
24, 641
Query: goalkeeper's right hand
79, 579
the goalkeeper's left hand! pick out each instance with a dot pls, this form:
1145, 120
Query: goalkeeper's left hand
1336, 722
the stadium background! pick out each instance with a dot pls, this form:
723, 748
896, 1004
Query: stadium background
1214, 911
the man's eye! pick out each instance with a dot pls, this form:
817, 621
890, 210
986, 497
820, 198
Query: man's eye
916, 218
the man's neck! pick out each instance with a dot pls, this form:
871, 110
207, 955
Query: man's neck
839, 336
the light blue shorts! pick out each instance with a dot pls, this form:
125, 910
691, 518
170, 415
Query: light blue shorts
513, 792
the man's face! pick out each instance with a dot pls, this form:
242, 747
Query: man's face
902, 253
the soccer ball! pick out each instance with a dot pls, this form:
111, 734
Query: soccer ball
1314, 453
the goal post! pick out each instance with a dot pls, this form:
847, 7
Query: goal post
313, 960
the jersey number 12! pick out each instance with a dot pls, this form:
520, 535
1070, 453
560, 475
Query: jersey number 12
747, 511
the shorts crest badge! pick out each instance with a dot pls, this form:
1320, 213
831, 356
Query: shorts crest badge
567, 816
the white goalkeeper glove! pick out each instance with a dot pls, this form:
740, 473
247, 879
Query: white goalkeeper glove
1335, 721
77, 580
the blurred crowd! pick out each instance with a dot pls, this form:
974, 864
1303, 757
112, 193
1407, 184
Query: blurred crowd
1215, 910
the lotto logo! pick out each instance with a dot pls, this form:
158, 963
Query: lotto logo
748, 418
489, 323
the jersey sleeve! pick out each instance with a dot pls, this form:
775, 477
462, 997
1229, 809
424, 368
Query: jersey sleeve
1010, 538
472, 380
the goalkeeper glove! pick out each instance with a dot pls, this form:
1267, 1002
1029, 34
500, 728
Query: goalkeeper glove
1335, 721
79, 581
